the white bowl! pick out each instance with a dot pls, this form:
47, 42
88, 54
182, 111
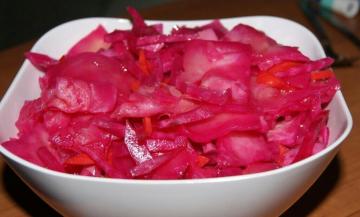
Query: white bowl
263, 194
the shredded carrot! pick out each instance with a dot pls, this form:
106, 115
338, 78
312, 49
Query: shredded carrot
143, 63
166, 80
268, 77
201, 160
147, 125
135, 85
282, 151
271, 80
80, 159
62, 58
283, 66
322, 75
109, 156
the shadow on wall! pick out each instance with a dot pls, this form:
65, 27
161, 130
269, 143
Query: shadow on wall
21, 20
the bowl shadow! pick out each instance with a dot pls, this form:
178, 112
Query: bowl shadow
24, 197
317, 192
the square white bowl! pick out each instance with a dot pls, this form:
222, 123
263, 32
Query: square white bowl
272, 192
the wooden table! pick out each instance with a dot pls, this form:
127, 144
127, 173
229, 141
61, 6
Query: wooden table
335, 194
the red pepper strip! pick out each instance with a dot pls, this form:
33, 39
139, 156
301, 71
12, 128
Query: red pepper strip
322, 75
201, 160
143, 63
283, 66
271, 80
147, 125
80, 159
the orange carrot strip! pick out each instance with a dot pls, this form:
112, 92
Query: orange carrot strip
147, 125
282, 151
271, 80
80, 159
283, 66
322, 75
143, 63
135, 85
201, 160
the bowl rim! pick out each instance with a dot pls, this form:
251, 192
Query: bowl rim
29, 165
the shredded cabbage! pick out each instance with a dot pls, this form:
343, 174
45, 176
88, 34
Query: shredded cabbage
196, 103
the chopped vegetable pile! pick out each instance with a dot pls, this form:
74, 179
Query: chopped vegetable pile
196, 103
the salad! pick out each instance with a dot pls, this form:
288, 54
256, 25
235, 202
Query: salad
198, 102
